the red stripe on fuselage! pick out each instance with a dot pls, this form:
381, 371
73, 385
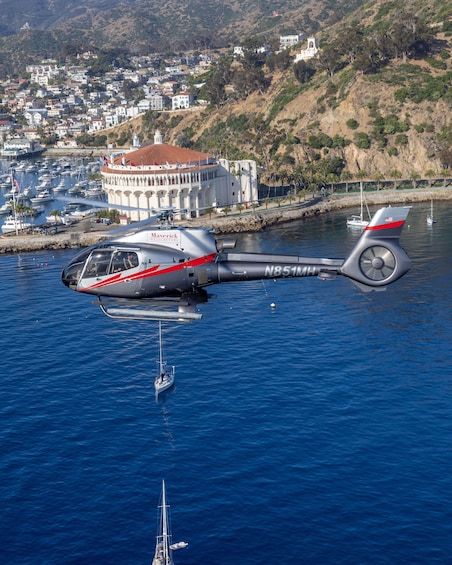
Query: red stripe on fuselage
152, 272
388, 226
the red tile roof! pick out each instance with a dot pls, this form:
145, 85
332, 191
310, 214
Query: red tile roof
162, 154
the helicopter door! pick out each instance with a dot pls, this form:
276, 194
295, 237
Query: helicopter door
107, 273
97, 266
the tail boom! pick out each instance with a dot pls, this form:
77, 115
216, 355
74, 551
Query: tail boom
376, 260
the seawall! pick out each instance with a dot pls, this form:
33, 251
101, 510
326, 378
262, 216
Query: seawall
85, 233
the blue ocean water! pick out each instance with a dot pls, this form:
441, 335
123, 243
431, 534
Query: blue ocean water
316, 432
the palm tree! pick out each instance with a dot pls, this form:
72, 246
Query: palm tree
414, 177
346, 176
56, 214
378, 177
331, 178
361, 175
430, 174
290, 198
20, 210
396, 175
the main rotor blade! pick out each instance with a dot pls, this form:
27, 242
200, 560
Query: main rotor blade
102, 204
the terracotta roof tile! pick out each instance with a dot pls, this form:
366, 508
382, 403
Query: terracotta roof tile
161, 154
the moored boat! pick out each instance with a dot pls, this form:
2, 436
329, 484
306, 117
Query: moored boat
430, 218
165, 378
43, 196
15, 225
163, 546
355, 220
20, 148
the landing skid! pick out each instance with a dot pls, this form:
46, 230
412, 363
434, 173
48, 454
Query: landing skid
159, 310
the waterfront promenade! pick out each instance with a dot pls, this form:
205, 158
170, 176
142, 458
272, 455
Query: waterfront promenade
86, 233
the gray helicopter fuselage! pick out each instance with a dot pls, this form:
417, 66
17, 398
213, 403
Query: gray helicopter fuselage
176, 261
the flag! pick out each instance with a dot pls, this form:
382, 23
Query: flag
16, 184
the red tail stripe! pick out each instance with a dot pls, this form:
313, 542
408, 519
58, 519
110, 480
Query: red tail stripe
153, 271
388, 226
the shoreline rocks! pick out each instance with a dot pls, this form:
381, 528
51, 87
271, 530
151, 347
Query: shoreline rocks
83, 235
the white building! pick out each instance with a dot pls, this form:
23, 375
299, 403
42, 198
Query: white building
35, 117
161, 175
157, 101
181, 101
310, 52
288, 41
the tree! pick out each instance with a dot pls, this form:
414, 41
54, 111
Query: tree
281, 60
329, 60
303, 71
56, 214
396, 175
430, 174
349, 42
346, 176
215, 86
378, 177
414, 177
249, 77
408, 35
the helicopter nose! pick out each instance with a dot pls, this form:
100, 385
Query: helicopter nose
64, 278
70, 276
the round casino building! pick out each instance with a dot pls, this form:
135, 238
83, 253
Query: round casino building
159, 175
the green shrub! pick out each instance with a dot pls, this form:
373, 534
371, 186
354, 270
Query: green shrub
401, 139
352, 124
436, 64
401, 95
362, 140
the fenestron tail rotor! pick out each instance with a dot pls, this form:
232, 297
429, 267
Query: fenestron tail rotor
377, 263
377, 258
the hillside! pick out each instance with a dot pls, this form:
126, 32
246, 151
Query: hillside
138, 24
373, 104
407, 137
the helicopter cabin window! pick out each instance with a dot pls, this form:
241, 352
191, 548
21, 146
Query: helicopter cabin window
97, 264
123, 260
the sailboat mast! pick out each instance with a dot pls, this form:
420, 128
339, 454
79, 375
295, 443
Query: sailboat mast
165, 535
361, 194
13, 190
160, 350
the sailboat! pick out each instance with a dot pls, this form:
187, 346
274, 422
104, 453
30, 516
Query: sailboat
163, 546
165, 378
356, 221
14, 223
430, 219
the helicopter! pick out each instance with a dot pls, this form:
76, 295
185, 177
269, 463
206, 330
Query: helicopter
144, 274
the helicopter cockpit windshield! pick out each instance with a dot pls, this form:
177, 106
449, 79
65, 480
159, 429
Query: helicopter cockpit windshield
98, 263
107, 261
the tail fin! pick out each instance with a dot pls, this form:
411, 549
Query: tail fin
377, 258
